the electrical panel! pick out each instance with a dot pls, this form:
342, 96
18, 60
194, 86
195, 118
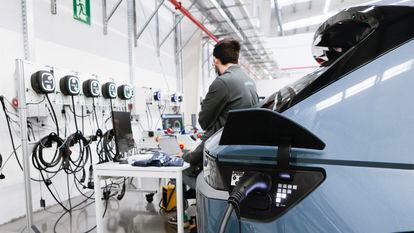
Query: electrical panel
43, 82
125, 92
70, 85
91, 88
109, 90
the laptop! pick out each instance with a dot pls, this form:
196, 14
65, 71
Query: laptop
170, 146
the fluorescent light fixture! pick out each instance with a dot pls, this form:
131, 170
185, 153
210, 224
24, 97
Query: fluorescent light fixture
329, 101
284, 3
227, 19
326, 7
307, 21
397, 70
369, 3
357, 88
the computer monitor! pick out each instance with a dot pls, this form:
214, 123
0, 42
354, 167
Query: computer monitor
174, 121
124, 139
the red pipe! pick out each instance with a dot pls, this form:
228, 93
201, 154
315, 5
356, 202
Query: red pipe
185, 12
178, 6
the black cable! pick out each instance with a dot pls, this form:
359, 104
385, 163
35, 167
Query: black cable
1, 168
37, 154
67, 185
83, 120
7, 160
54, 114
112, 108
79, 116
248, 183
74, 113
94, 110
10, 132
76, 181
51, 192
37, 102
161, 113
60, 218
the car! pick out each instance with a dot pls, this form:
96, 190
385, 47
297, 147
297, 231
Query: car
336, 147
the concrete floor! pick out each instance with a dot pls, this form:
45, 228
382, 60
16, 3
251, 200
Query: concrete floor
130, 215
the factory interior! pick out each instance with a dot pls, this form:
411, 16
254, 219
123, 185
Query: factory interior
208, 116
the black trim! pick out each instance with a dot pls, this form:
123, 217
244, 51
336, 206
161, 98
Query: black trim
266, 128
353, 163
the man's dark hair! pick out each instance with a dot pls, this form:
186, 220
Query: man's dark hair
227, 50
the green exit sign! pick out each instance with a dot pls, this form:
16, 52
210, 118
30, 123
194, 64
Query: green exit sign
82, 11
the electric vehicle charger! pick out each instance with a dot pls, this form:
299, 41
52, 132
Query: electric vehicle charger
70, 85
43, 82
109, 90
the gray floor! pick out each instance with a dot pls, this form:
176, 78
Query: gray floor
130, 215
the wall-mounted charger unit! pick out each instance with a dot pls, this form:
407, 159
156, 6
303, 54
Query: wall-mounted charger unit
91, 88
125, 92
70, 85
157, 96
175, 98
43, 82
109, 90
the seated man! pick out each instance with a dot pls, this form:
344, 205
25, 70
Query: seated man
232, 89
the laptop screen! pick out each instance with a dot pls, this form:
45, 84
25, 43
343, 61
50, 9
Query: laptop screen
169, 145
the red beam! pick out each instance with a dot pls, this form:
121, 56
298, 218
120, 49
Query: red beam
185, 12
178, 6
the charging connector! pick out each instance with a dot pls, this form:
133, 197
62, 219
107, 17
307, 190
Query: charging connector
42, 203
248, 183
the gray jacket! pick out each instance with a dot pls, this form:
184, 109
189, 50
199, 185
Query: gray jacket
234, 89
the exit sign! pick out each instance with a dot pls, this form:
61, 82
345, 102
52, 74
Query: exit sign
82, 11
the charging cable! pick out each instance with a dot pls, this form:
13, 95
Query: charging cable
248, 183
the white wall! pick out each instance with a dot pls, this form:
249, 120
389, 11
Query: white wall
293, 54
268, 87
62, 42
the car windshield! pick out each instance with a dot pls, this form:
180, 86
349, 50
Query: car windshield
278, 100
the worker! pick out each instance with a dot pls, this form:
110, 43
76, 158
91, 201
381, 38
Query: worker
232, 89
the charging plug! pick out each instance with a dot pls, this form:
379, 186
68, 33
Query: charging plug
248, 183
83, 176
48, 182
2, 176
106, 195
42, 203
94, 138
91, 185
90, 179
121, 195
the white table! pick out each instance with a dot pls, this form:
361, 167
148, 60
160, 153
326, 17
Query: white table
126, 170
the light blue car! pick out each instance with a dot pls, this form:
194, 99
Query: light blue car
348, 163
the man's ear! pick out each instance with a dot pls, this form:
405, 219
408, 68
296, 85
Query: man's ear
217, 61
